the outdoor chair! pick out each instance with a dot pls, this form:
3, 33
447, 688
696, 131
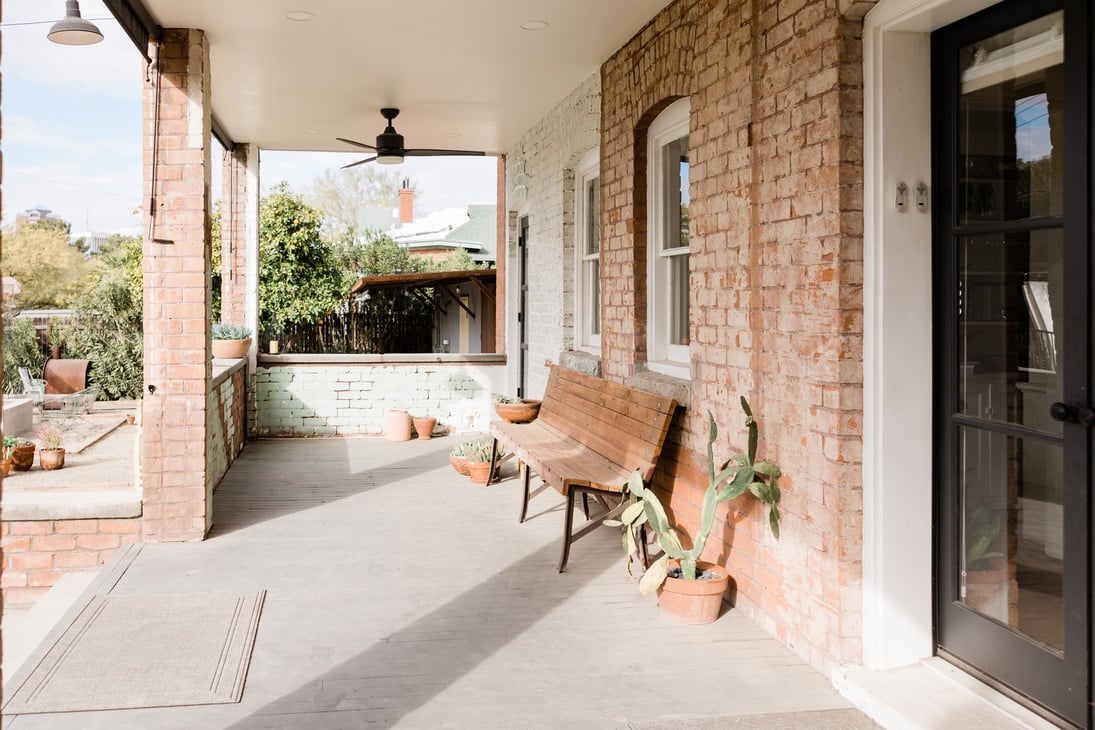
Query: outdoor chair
68, 405
33, 387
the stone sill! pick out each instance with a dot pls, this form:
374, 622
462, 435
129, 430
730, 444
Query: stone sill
424, 358
70, 504
666, 385
224, 367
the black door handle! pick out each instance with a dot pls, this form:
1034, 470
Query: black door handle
1072, 412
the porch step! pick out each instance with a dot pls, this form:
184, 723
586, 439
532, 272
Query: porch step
895, 699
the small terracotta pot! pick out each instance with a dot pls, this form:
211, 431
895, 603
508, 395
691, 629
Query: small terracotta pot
693, 601
523, 412
51, 459
22, 457
5, 466
424, 427
478, 471
459, 463
130, 418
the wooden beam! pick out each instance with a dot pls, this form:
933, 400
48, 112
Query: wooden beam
445, 288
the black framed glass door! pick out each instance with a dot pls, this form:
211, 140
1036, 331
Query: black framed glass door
1012, 312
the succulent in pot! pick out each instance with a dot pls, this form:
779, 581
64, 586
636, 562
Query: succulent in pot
230, 340
20, 451
478, 455
516, 410
739, 474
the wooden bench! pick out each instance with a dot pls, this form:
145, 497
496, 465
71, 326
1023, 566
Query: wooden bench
591, 434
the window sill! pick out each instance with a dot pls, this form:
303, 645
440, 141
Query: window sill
679, 389
583, 362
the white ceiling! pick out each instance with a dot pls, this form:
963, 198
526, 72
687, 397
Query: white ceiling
463, 72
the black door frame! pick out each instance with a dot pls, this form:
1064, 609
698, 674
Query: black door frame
1008, 660
522, 307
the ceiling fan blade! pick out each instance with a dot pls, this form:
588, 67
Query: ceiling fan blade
442, 153
359, 162
356, 144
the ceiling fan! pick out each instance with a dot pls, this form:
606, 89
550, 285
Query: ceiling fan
389, 147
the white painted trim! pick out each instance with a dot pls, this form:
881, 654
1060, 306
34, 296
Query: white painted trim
897, 443
588, 169
671, 124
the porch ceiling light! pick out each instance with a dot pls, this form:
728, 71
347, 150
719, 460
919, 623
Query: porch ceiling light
389, 159
73, 30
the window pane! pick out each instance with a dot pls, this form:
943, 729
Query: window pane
678, 299
593, 298
675, 158
1012, 557
1011, 124
1009, 327
593, 216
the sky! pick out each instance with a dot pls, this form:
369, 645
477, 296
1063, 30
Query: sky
72, 131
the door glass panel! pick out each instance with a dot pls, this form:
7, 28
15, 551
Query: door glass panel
1012, 547
1010, 311
1011, 131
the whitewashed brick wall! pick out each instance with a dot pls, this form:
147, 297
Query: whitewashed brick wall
353, 399
540, 184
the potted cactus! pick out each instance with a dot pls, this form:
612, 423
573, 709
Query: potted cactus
516, 410
690, 591
478, 455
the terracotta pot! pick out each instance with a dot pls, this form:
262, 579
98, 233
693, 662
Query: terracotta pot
693, 601
398, 425
459, 463
478, 470
5, 466
22, 457
231, 348
424, 427
987, 589
51, 459
523, 412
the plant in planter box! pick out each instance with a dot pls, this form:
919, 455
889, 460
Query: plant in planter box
230, 340
52, 454
680, 587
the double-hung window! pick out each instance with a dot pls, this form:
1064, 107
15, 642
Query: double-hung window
667, 210
587, 246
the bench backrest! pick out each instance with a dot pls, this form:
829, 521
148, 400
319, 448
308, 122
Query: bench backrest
625, 425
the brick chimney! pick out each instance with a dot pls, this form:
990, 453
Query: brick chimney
406, 203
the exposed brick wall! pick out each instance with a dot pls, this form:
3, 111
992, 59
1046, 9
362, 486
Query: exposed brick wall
540, 182
776, 276
36, 554
177, 291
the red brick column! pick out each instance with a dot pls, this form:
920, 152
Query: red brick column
176, 290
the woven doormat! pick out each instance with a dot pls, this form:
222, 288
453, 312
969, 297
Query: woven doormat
153, 650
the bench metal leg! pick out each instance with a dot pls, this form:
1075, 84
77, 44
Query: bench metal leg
523, 471
493, 461
585, 505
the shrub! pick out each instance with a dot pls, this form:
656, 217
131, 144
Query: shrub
22, 349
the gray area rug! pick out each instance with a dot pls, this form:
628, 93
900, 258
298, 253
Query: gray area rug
158, 650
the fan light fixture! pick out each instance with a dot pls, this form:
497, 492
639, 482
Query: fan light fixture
389, 159
73, 30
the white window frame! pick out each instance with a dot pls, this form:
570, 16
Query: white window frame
587, 171
670, 359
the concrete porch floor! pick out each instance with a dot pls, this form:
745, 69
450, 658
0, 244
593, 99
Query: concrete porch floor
399, 594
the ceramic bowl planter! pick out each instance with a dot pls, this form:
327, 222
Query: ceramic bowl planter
523, 412
230, 340
51, 459
424, 427
694, 601
460, 464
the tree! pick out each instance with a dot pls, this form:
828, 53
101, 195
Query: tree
300, 279
107, 325
344, 197
48, 269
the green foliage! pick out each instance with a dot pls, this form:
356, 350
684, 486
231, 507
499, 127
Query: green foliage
21, 349
737, 474
215, 237
457, 260
982, 529
107, 326
49, 270
479, 451
229, 331
300, 280
502, 398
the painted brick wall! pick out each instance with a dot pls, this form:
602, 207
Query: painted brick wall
776, 277
540, 181
36, 554
227, 425
353, 400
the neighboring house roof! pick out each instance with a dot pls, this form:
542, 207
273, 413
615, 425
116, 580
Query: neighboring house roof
474, 228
